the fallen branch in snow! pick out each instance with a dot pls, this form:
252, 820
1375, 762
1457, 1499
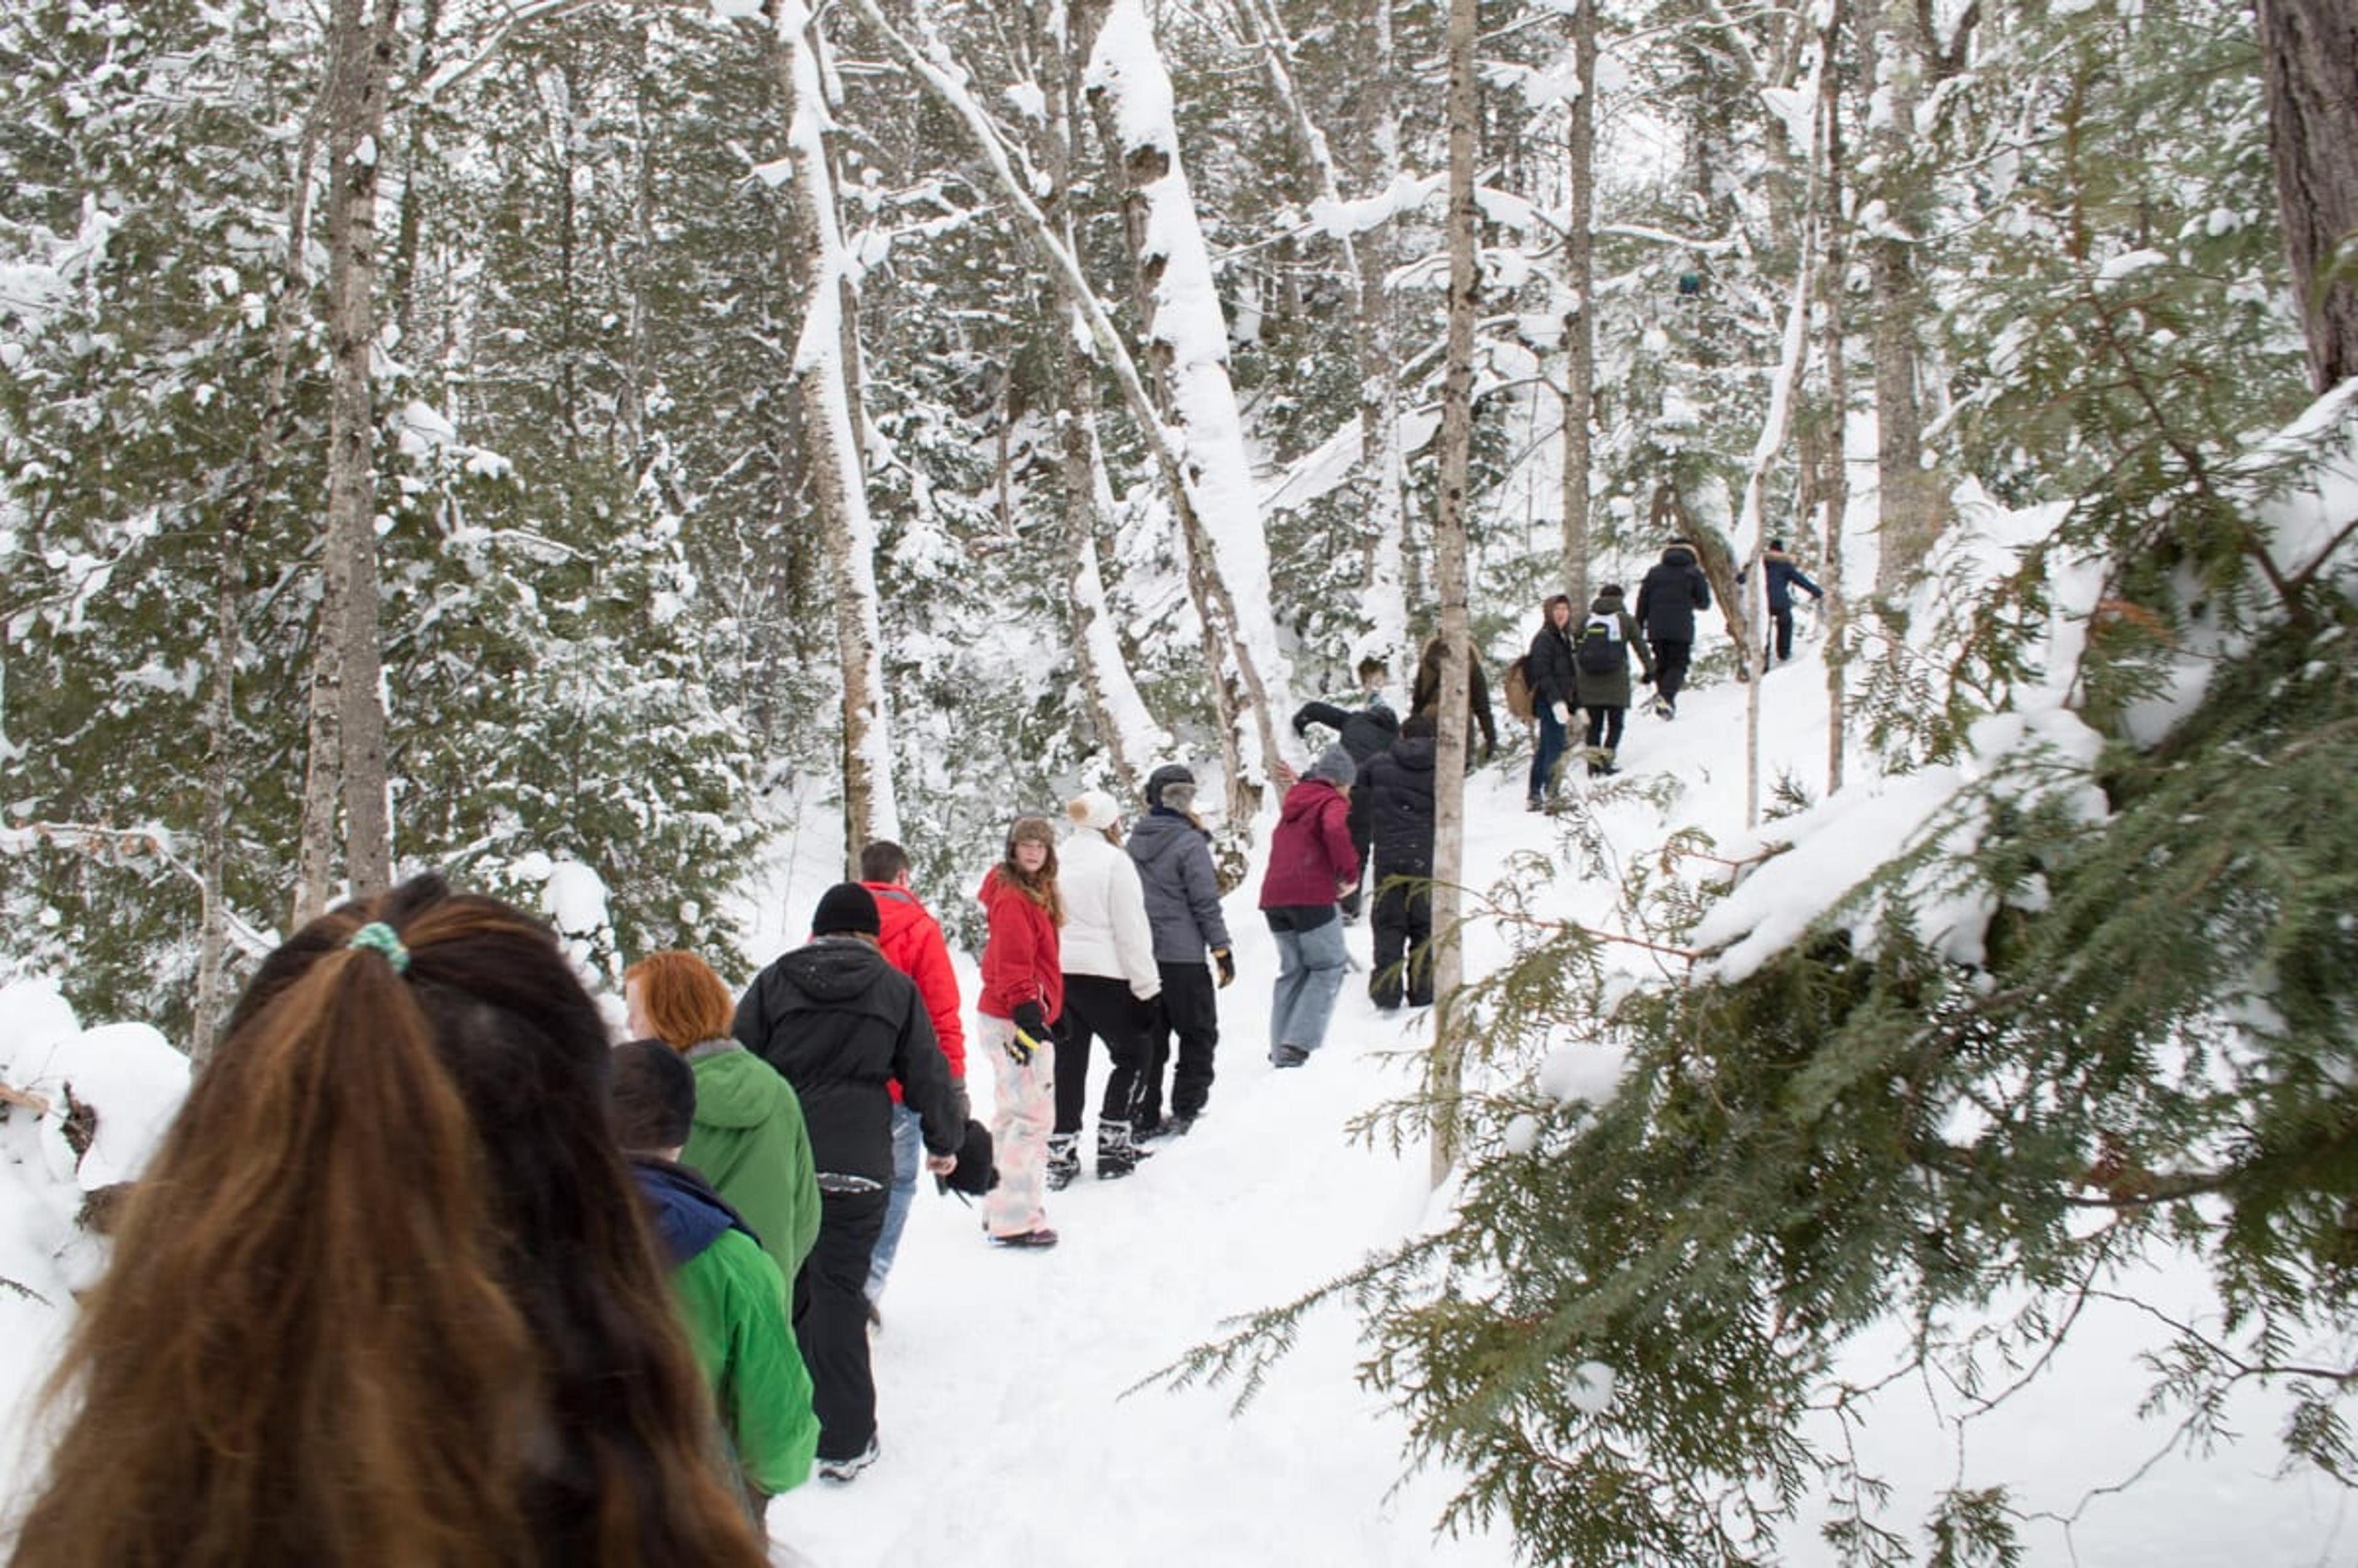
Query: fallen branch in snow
35, 1103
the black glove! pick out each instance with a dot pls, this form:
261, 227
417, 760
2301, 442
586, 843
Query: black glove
1031, 1031
1226, 962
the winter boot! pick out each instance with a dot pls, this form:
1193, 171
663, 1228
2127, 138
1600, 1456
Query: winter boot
1117, 1155
1064, 1160
1605, 767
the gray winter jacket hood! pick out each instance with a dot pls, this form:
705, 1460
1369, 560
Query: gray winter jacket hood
1183, 893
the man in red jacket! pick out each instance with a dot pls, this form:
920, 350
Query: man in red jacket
913, 943
1312, 863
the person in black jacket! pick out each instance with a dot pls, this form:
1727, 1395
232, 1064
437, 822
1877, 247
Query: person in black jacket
1784, 574
1667, 601
839, 1023
1554, 688
1395, 794
1426, 698
1364, 732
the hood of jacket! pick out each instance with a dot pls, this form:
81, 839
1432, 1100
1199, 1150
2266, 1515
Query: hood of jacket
1417, 754
1306, 799
1679, 555
733, 1086
1611, 601
833, 968
1161, 834
686, 1214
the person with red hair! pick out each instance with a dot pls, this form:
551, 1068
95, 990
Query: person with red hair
749, 1140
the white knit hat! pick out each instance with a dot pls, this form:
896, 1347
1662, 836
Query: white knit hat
1093, 808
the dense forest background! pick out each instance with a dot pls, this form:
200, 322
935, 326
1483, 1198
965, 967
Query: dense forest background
618, 578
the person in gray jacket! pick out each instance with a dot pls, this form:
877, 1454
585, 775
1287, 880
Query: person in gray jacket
1174, 855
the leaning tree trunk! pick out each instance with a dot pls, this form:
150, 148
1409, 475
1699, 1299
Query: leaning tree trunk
1186, 340
2310, 52
1248, 734
347, 721
1579, 320
826, 370
1445, 1074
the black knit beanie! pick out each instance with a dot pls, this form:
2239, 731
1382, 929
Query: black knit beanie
845, 909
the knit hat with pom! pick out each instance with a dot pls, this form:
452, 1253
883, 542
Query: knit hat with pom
1093, 808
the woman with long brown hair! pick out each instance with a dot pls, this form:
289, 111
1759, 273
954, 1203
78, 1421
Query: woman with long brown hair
386, 1295
1022, 994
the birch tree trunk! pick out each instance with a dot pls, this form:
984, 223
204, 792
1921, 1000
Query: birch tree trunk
1579, 320
2309, 50
1908, 494
1834, 486
1445, 1076
347, 720
826, 372
1751, 520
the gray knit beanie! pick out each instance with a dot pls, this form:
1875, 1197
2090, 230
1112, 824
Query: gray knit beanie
1333, 766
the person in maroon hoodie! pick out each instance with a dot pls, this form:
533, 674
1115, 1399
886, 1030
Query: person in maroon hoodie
913, 943
1312, 863
1022, 994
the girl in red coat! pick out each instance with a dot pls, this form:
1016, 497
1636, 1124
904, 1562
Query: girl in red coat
1022, 993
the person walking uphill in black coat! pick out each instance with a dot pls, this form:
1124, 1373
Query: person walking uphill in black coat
1554, 688
839, 1023
1601, 657
1395, 796
1784, 575
1667, 601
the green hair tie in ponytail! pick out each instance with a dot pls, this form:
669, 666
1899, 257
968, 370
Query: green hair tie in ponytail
378, 937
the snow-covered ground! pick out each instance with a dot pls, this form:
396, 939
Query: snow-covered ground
1015, 1431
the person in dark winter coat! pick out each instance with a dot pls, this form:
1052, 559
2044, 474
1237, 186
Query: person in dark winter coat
1310, 865
842, 1025
1667, 601
1783, 575
1426, 699
1174, 855
1554, 688
1601, 662
730, 1293
1395, 794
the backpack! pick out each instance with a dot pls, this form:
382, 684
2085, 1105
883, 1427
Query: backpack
1601, 651
1520, 698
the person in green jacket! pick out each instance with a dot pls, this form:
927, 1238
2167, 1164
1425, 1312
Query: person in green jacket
749, 1141
731, 1294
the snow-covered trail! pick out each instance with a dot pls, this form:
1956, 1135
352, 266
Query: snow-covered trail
1011, 1437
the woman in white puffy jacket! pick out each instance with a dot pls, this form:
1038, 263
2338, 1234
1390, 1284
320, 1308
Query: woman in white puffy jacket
1110, 984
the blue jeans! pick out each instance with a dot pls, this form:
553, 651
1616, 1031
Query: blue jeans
1543, 761
908, 1143
1309, 970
